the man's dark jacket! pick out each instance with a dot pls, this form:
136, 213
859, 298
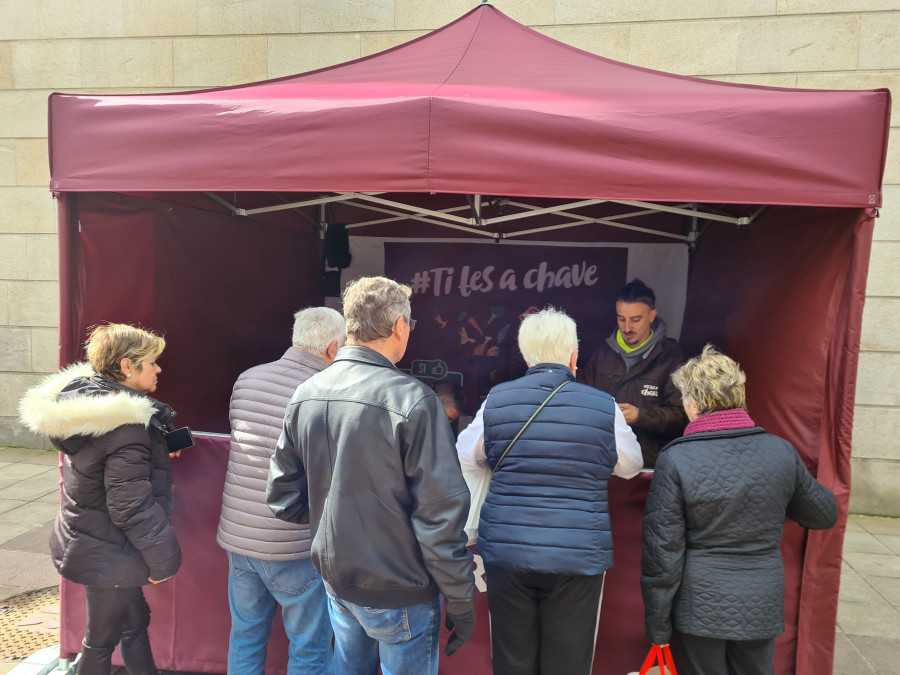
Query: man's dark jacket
368, 459
547, 508
647, 386
717, 504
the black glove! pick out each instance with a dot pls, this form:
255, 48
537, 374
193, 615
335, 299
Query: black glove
462, 625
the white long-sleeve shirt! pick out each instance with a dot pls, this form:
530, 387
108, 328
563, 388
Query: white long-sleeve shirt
470, 446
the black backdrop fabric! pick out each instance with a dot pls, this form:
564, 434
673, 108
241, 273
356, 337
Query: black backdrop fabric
468, 303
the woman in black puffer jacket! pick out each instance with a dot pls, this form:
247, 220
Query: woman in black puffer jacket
112, 533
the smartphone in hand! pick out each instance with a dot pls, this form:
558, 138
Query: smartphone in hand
179, 439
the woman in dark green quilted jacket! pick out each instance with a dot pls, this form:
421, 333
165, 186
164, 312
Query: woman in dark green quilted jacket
713, 578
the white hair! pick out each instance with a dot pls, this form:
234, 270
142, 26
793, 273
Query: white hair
549, 336
317, 327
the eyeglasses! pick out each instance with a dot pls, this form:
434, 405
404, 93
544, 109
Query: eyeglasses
412, 324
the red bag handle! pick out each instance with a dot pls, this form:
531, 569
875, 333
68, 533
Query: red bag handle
663, 658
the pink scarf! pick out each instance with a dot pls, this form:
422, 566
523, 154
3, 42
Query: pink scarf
736, 418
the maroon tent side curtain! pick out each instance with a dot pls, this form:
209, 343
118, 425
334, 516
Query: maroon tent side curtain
193, 275
483, 106
822, 561
784, 297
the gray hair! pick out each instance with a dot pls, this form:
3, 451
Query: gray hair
550, 336
372, 306
713, 381
317, 327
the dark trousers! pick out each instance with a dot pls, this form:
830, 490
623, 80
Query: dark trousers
695, 655
116, 616
542, 623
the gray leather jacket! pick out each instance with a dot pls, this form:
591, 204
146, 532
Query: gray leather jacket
367, 458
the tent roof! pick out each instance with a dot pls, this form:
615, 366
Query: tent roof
483, 105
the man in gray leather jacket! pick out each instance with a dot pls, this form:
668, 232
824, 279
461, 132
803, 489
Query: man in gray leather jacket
367, 458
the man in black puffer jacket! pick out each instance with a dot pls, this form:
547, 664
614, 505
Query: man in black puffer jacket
634, 365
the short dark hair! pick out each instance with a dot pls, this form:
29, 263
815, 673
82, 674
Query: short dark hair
637, 291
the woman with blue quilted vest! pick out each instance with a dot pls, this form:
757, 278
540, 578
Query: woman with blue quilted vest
713, 578
545, 534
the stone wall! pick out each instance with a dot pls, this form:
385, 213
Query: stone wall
111, 46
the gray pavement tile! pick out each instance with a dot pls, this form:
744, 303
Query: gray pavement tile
884, 655
873, 564
847, 658
864, 542
9, 591
41, 574
887, 587
855, 588
13, 474
853, 524
30, 455
50, 498
34, 513
7, 504
863, 618
879, 525
30, 513
892, 541
32, 488
13, 562
19, 471
10, 531
33, 541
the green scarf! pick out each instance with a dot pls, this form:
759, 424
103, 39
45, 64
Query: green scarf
621, 342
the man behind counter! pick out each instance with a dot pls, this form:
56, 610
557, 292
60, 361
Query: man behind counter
634, 366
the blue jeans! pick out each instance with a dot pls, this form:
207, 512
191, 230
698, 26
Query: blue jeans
404, 641
255, 587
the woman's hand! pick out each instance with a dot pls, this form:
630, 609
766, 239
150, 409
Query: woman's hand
161, 581
177, 453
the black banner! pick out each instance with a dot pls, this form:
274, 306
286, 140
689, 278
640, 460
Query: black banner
468, 301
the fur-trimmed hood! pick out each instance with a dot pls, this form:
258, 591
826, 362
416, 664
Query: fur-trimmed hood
91, 406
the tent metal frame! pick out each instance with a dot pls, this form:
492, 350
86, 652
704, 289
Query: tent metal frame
478, 225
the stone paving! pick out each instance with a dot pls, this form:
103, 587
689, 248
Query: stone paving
868, 623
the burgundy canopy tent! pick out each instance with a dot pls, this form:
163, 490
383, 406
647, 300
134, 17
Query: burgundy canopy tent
202, 214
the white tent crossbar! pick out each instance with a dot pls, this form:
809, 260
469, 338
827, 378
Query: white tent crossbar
415, 209
476, 225
282, 207
561, 208
687, 212
586, 220
398, 215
